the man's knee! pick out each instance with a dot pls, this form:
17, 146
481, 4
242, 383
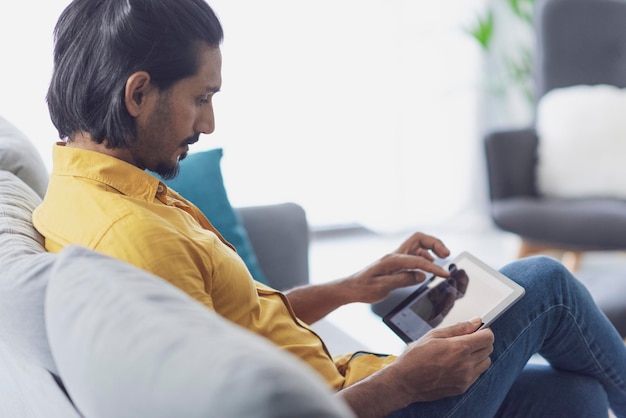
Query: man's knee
537, 273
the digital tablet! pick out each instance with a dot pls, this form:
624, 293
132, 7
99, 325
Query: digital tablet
473, 290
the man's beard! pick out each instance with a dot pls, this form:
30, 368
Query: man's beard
168, 171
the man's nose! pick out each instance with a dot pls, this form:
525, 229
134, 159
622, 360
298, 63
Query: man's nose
206, 122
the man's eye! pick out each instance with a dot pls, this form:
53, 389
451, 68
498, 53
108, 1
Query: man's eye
204, 99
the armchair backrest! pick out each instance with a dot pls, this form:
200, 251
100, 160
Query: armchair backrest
580, 42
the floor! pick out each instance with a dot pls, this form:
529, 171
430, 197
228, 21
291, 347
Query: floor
337, 254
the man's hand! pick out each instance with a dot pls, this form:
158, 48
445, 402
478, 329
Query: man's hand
445, 362
406, 266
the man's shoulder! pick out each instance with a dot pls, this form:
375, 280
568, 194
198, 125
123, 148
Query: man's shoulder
85, 215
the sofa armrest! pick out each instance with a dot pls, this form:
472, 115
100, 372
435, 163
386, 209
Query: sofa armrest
280, 237
511, 159
29, 390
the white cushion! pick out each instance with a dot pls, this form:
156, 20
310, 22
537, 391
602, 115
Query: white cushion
128, 344
582, 142
24, 268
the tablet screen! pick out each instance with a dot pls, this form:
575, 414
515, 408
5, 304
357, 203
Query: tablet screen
472, 290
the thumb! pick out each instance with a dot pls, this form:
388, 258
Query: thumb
462, 328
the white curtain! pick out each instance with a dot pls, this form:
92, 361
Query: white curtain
362, 111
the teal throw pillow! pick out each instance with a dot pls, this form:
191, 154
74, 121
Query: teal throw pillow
200, 181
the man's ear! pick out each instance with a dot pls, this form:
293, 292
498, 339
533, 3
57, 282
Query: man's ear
138, 86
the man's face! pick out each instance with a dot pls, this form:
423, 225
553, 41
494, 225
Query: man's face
177, 117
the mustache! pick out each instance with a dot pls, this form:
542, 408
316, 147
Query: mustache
190, 140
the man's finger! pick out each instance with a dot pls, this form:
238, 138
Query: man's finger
400, 263
456, 330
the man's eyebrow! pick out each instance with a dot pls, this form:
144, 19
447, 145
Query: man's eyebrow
212, 89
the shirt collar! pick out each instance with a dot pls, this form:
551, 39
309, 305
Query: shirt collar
120, 175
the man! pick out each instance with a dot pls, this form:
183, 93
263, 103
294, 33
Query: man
131, 90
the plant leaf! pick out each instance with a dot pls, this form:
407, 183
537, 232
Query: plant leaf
482, 30
523, 9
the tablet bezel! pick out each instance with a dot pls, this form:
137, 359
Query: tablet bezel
516, 293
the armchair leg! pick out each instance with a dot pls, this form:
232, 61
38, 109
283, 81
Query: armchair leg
570, 259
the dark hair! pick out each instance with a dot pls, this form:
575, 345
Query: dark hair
98, 44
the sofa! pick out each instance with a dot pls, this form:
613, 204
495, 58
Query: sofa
82, 334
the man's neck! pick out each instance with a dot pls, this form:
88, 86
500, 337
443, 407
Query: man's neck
84, 141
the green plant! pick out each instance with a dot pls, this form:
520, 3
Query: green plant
523, 9
482, 30
513, 62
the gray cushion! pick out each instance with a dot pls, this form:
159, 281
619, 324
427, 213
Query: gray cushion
573, 223
128, 344
24, 266
20, 157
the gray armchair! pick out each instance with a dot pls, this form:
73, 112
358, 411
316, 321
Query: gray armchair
579, 42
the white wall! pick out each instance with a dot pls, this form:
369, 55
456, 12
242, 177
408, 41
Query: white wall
360, 110
26, 66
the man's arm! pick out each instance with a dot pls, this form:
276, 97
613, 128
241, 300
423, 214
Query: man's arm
405, 266
445, 362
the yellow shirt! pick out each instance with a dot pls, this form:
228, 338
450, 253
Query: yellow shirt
115, 208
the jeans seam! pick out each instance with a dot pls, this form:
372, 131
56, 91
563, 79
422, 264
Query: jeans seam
507, 350
596, 362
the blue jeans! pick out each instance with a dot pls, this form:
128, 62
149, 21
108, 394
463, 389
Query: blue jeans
558, 319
